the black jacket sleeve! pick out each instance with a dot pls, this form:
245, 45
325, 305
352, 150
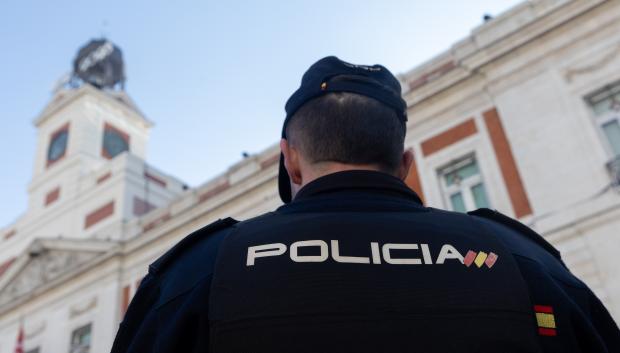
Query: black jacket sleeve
169, 312
603, 323
578, 320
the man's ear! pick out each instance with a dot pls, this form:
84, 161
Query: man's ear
405, 164
291, 161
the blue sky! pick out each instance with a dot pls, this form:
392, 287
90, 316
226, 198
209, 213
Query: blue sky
212, 75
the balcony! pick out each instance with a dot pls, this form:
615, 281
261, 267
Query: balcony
613, 166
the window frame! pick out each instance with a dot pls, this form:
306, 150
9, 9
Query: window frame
52, 137
75, 331
600, 120
465, 187
123, 135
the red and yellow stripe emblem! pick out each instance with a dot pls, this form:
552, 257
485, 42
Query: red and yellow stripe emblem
480, 258
545, 320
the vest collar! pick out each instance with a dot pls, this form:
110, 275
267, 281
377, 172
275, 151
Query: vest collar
358, 180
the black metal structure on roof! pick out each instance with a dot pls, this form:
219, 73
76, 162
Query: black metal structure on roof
100, 63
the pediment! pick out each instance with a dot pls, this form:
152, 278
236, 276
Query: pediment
64, 97
46, 261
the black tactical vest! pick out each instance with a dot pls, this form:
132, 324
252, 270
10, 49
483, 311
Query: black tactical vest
364, 267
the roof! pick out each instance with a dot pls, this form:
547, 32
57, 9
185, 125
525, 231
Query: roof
47, 263
5, 266
488, 42
65, 96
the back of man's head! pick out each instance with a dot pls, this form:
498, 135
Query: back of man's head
343, 116
348, 128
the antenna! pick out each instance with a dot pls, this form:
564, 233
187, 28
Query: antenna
104, 27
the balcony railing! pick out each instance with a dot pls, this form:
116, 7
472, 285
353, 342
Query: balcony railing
613, 166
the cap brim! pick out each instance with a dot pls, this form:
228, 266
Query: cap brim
284, 183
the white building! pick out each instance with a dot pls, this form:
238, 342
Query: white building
522, 116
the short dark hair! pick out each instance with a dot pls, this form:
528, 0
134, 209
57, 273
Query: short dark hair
348, 128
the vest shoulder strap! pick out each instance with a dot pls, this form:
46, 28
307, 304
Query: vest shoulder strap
176, 251
517, 226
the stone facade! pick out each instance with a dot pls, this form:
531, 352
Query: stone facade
517, 117
522, 84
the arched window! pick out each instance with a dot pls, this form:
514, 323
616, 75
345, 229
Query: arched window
58, 144
115, 142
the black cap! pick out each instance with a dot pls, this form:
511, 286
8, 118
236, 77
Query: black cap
331, 74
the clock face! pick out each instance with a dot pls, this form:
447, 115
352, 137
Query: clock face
58, 145
114, 143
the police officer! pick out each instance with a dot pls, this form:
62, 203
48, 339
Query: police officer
354, 262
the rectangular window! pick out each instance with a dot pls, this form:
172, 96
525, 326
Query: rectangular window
462, 186
605, 105
80, 339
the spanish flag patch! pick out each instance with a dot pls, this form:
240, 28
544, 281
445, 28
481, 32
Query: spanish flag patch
480, 258
545, 320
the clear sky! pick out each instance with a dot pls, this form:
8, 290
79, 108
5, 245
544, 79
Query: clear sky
212, 75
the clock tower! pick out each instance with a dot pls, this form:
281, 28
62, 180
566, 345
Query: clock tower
90, 178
